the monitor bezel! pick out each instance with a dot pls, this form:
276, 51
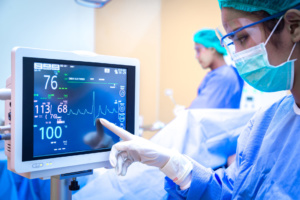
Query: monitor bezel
18, 55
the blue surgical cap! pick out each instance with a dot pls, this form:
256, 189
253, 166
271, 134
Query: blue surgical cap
208, 38
270, 6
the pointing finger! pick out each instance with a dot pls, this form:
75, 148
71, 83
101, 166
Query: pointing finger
125, 135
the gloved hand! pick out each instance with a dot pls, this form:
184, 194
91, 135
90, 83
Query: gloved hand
136, 149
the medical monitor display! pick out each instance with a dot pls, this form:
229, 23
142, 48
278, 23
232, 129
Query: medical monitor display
67, 99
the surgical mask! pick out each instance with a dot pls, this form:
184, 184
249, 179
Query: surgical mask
254, 67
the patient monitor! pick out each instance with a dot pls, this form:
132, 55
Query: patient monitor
56, 99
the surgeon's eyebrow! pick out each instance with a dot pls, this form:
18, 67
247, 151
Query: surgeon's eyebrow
236, 28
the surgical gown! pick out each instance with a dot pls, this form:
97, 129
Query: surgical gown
267, 164
220, 88
199, 133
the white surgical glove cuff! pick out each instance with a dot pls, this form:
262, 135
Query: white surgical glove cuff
178, 169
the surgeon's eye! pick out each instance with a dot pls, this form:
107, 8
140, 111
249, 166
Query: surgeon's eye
241, 39
197, 51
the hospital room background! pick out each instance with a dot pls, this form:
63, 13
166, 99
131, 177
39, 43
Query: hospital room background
157, 32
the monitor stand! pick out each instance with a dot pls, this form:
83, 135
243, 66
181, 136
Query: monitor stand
63, 185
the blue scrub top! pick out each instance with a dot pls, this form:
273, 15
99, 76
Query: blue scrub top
267, 164
220, 88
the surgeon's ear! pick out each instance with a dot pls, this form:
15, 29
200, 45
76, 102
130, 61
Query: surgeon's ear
213, 50
292, 20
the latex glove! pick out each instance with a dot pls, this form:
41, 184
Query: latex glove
136, 149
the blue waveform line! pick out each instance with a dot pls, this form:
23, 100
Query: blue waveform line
93, 112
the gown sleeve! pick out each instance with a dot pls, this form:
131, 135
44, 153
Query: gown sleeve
209, 184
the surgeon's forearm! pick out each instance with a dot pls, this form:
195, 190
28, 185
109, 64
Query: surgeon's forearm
178, 169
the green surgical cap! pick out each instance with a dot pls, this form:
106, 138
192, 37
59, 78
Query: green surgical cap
208, 38
270, 6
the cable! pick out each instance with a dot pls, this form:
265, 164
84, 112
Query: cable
5, 94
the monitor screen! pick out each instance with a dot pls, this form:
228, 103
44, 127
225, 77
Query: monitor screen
63, 100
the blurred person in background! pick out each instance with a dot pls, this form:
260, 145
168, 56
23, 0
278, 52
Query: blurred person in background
222, 86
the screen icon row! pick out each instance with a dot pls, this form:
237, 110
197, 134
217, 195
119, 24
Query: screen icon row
46, 66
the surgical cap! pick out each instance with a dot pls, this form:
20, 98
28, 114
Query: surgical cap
270, 6
208, 38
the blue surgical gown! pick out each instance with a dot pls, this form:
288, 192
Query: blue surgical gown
267, 164
220, 88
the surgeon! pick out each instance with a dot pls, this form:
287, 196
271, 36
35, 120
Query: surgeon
263, 37
222, 86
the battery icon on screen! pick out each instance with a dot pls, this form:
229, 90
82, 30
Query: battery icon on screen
106, 70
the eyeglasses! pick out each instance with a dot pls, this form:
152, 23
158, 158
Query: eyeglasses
227, 40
